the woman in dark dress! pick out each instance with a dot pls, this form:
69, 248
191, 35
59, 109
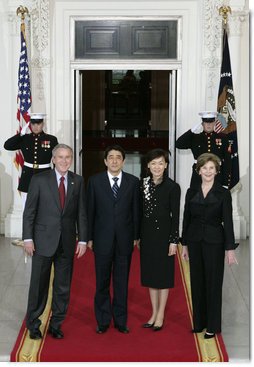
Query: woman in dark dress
159, 234
208, 237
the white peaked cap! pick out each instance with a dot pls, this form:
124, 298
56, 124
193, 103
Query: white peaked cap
208, 114
37, 116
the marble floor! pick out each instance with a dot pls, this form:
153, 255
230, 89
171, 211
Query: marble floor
14, 281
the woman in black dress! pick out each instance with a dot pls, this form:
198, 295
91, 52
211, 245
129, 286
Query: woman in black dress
159, 234
208, 237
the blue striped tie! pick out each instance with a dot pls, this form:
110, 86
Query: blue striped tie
115, 187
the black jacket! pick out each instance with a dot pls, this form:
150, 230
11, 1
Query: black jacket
111, 219
210, 218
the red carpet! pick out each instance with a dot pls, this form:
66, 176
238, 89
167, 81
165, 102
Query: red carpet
174, 343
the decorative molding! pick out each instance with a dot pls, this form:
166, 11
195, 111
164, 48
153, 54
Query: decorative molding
39, 62
40, 25
40, 85
235, 22
212, 24
211, 62
211, 85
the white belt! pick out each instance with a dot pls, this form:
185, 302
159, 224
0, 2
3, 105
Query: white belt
37, 166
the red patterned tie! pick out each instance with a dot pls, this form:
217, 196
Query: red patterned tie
61, 189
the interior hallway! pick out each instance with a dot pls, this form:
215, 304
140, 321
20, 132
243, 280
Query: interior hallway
14, 282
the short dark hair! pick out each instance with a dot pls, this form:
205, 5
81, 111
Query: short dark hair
208, 157
154, 154
157, 153
114, 147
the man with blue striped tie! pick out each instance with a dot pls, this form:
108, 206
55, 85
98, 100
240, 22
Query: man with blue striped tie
113, 231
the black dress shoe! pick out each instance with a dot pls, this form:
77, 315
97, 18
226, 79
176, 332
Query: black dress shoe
35, 334
147, 325
56, 333
197, 330
122, 329
157, 328
209, 336
101, 329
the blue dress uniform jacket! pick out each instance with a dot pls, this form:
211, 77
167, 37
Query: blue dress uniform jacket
36, 150
208, 143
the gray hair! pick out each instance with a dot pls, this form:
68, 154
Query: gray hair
61, 146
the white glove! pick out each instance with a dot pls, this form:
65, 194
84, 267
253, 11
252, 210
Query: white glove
24, 128
197, 129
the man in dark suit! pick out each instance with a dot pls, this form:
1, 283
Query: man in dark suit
54, 211
203, 138
113, 231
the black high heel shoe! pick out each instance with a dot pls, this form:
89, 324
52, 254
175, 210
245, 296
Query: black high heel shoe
147, 325
157, 328
209, 336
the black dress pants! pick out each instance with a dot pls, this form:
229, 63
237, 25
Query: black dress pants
119, 267
206, 271
39, 286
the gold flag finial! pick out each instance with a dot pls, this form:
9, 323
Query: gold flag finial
22, 11
224, 10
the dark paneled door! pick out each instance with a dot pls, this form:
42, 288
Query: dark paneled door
104, 120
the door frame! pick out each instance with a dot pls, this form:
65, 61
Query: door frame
174, 94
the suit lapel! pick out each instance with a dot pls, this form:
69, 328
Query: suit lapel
123, 186
70, 188
107, 186
52, 183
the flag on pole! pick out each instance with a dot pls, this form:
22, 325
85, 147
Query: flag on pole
24, 94
227, 112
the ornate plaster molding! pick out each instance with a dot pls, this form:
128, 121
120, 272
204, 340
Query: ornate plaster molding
211, 85
40, 28
212, 24
211, 62
39, 62
235, 22
40, 78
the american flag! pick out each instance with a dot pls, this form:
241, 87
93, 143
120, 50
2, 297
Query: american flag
226, 107
24, 93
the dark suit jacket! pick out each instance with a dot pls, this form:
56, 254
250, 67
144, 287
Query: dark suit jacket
111, 219
210, 218
45, 222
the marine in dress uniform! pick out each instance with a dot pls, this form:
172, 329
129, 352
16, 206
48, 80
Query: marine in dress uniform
207, 141
35, 147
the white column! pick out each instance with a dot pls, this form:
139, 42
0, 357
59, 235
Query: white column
13, 219
238, 46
